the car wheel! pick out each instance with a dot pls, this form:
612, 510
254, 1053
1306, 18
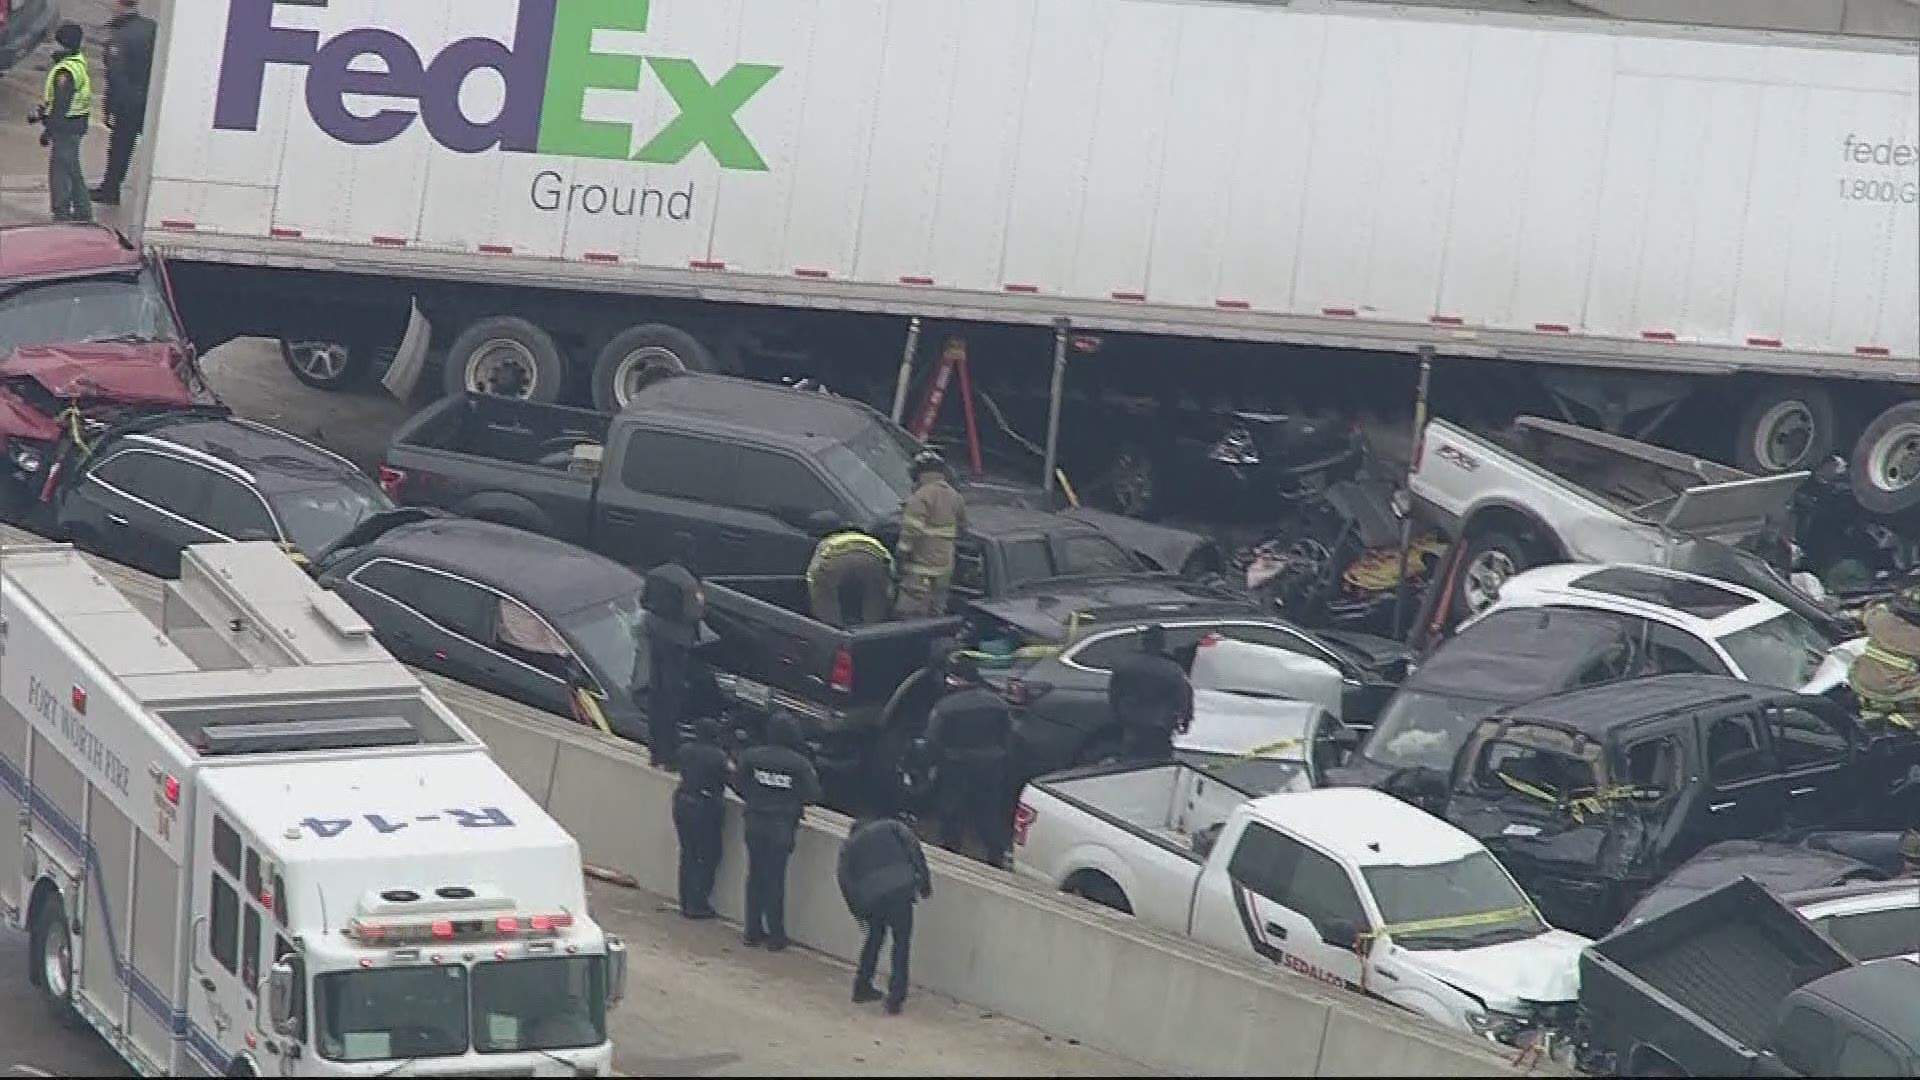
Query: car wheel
1784, 429
1490, 559
326, 365
506, 356
1885, 466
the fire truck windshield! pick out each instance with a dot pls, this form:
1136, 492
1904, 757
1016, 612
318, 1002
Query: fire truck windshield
385, 1014
556, 1003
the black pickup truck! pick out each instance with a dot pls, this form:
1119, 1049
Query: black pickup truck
748, 472
1736, 983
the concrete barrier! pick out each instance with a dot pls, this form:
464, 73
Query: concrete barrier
1069, 968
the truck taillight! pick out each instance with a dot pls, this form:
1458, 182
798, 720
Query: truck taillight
1023, 816
840, 678
392, 480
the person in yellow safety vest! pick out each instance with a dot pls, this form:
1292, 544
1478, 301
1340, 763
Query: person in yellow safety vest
932, 520
850, 578
66, 103
1886, 677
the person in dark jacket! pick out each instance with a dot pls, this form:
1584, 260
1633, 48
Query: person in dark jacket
129, 58
65, 105
776, 782
1150, 698
675, 604
699, 813
883, 873
970, 741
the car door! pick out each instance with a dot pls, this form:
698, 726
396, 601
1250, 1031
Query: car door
774, 494
144, 506
537, 661
1361, 700
1290, 899
1744, 798
1815, 754
390, 595
667, 485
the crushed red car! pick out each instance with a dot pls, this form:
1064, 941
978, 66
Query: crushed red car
88, 331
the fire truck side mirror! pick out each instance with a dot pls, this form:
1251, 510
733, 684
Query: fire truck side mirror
616, 971
280, 998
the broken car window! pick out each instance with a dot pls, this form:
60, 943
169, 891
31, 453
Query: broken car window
1422, 730
97, 309
1804, 740
1654, 767
1734, 750
1783, 652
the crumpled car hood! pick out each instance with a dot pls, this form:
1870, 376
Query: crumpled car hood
1543, 969
133, 373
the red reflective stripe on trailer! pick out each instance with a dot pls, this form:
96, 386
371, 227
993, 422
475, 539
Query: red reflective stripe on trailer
177, 223
495, 249
390, 241
1020, 287
600, 256
1552, 328
1339, 312
1232, 305
1873, 350
1659, 335
809, 272
915, 279
1446, 320
706, 264
279, 233
1137, 297
1763, 342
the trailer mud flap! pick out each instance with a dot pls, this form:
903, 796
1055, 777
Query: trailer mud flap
410, 361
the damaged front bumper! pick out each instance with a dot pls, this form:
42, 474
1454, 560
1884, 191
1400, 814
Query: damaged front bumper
1542, 1030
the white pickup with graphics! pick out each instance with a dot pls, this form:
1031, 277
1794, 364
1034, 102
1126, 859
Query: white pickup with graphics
1349, 886
252, 844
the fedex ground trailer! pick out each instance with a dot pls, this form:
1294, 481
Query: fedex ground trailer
573, 191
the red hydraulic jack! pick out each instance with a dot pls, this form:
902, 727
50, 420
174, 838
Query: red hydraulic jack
953, 358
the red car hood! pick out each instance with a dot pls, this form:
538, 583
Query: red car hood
123, 373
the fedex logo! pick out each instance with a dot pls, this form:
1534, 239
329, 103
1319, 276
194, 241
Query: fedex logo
547, 71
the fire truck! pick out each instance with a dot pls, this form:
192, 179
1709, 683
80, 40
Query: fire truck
251, 843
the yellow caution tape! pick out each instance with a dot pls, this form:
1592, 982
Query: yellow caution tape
1378, 570
586, 705
1458, 922
1269, 748
1577, 806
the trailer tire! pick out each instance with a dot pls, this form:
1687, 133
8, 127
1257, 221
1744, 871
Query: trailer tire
1491, 557
1785, 428
1885, 466
326, 365
637, 355
52, 959
506, 356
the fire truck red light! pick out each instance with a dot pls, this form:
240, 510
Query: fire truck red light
541, 922
507, 924
442, 928
171, 788
365, 962
79, 700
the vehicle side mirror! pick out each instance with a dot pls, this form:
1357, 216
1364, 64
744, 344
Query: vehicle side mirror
280, 998
616, 971
1341, 934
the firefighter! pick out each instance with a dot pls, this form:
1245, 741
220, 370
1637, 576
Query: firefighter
850, 578
970, 741
776, 781
1150, 698
931, 521
1886, 677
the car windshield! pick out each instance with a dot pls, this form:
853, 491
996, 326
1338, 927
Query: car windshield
386, 1013
1422, 730
1783, 652
876, 465
1452, 905
315, 518
122, 308
604, 633
554, 1003
1875, 935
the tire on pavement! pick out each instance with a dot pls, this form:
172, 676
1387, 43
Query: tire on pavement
506, 356
1491, 558
1784, 428
635, 355
1884, 468
326, 365
51, 954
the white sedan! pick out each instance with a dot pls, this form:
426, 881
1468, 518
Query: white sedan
1688, 623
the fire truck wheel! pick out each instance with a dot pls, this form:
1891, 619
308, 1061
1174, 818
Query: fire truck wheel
53, 963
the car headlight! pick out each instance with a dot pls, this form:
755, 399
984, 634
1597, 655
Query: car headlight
1495, 1025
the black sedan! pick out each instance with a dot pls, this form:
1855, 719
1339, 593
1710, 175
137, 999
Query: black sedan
511, 612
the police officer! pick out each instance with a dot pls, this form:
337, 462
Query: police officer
1886, 677
970, 739
850, 578
1150, 698
675, 604
931, 521
129, 59
698, 814
777, 782
65, 105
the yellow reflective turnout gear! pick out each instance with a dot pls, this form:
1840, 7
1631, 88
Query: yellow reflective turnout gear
76, 68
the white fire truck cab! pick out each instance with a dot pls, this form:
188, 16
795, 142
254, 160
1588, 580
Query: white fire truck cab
251, 843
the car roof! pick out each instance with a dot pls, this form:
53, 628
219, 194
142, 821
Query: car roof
1788, 870
1044, 608
570, 577
1856, 897
724, 402
276, 460
1881, 989
1701, 605
1516, 654
1595, 710
1365, 827
997, 521
63, 249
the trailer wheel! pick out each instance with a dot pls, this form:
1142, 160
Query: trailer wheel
1785, 428
1490, 559
52, 953
640, 354
1885, 467
326, 365
506, 356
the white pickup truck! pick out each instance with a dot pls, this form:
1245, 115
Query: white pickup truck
1348, 886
